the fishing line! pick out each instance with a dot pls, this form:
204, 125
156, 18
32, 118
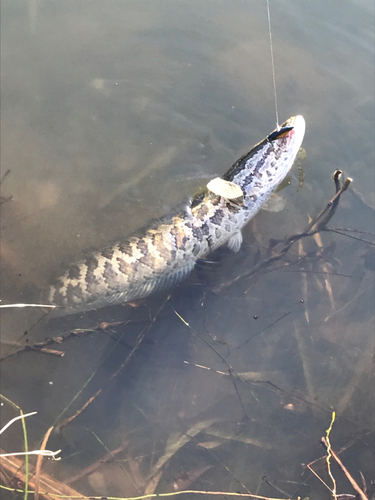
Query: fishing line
272, 63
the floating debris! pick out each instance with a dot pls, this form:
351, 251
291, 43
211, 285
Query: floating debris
226, 189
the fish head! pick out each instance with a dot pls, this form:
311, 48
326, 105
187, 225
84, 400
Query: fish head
264, 167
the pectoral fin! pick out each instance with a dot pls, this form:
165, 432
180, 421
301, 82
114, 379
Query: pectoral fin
235, 241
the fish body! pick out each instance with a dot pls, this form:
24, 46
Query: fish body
163, 254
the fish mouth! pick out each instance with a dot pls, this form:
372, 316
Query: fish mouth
288, 136
294, 129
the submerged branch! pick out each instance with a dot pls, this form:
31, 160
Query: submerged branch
317, 225
138, 342
350, 478
43, 346
3, 199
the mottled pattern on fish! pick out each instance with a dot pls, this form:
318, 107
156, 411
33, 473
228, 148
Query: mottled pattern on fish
166, 252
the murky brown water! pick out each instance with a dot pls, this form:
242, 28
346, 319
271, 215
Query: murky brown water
114, 112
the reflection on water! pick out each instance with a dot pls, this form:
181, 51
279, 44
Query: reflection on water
114, 112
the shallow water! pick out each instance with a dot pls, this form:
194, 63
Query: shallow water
114, 112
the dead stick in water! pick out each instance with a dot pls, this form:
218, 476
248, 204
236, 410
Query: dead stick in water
78, 332
314, 227
38, 467
138, 342
345, 471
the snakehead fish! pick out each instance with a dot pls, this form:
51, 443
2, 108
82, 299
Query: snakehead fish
164, 253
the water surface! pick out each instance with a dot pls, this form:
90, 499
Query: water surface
113, 113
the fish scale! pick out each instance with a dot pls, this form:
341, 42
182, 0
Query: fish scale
163, 254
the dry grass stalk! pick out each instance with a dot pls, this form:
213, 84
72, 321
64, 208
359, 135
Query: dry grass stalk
13, 468
38, 468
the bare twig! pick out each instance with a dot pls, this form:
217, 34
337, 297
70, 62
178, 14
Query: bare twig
317, 225
337, 231
3, 199
39, 461
350, 478
138, 342
5, 175
79, 332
